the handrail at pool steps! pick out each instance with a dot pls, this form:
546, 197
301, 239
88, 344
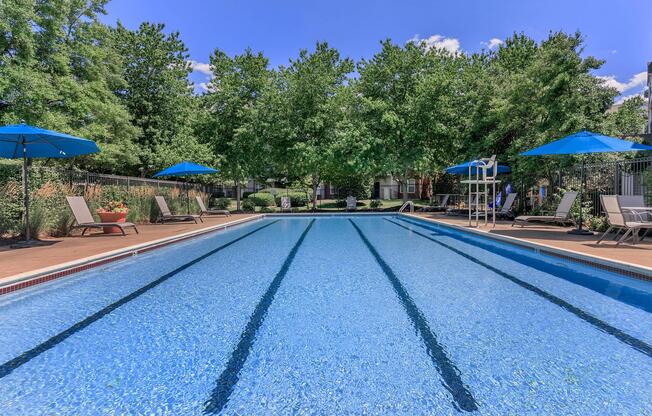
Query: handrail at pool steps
405, 205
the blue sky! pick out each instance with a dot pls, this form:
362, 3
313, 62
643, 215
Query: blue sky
618, 31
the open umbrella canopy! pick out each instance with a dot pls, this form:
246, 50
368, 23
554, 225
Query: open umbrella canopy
186, 168
21, 141
41, 143
463, 168
586, 142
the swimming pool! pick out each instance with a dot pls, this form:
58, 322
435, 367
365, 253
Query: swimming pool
330, 315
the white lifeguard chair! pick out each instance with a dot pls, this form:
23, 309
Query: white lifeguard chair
482, 182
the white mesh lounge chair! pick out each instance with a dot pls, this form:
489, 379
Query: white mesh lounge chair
351, 203
562, 215
85, 220
618, 221
204, 211
166, 215
506, 209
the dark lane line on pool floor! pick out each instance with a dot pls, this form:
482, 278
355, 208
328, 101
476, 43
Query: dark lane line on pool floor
629, 295
225, 384
622, 336
451, 375
11, 365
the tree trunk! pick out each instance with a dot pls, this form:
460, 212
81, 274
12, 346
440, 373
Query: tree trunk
405, 187
315, 185
237, 195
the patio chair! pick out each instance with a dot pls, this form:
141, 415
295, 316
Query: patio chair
634, 201
204, 211
85, 220
618, 221
351, 203
440, 207
166, 215
562, 214
286, 204
506, 209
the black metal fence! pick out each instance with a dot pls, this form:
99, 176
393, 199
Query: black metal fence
621, 177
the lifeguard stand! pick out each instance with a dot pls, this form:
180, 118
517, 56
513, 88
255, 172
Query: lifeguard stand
482, 181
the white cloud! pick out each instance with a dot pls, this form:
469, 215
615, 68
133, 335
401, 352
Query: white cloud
623, 98
202, 67
201, 87
493, 43
439, 42
637, 80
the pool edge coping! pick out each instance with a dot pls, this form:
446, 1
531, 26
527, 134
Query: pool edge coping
34, 277
627, 269
31, 278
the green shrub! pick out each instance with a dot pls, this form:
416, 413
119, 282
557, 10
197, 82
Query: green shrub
297, 199
267, 210
221, 203
248, 205
262, 199
597, 223
375, 204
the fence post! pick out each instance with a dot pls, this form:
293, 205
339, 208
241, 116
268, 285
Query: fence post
617, 179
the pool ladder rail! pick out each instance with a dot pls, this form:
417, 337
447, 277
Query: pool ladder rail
405, 205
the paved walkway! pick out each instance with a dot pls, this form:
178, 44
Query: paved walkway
640, 254
55, 251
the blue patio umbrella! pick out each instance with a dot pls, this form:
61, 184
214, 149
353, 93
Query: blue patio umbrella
21, 141
585, 142
463, 168
183, 169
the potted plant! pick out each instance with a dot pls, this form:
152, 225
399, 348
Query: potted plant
114, 211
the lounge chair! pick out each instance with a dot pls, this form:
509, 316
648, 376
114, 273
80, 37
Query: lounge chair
166, 215
506, 209
440, 207
562, 215
618, 221
204, 211
351, 203
85, 220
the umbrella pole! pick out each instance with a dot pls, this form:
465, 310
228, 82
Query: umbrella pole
579, 230
25, 195
187, 200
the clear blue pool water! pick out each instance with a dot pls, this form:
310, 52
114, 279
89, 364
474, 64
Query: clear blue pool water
330, 315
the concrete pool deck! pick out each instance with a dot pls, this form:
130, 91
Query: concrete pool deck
54, 252
555, 237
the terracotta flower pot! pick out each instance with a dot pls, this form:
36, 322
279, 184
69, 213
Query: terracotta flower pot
112, 217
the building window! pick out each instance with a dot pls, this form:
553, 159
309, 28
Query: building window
411, 186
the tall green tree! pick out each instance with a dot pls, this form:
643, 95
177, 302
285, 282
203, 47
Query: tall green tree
237, 85
533, 93
629, 118
409, 94
310, 86
159, 95
59, 69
